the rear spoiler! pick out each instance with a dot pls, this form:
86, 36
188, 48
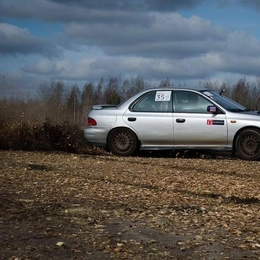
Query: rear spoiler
98, 107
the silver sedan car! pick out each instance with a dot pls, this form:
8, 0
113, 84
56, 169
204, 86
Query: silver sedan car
174, 119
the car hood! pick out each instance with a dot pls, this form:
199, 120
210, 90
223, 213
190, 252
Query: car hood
254, 113
247, 115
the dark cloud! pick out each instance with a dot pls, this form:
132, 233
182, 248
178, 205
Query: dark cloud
244, 65
15, 40
133, 5
101, 4
170, 5
90, 10
111, 37
40, 10
255, 4
44, 10
168, 35
43, 67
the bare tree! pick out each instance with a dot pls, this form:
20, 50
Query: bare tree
209, 85
132, 86
254, 99
98, 92
56, 100
241, 92
44, 96
111, 94
165, 83
87, 99
73, 104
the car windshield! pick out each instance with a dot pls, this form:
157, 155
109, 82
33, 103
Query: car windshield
225, 102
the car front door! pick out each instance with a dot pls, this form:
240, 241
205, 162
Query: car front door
194, 126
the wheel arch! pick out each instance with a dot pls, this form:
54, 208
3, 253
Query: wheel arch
123, 128
241, 130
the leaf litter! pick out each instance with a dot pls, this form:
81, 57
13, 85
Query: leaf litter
67, 206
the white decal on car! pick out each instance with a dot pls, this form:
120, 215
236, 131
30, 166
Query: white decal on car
163, 96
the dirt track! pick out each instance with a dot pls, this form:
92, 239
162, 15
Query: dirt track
64, 206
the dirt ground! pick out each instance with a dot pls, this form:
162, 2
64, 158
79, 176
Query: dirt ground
67, 206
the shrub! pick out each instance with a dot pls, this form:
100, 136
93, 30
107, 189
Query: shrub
31, 135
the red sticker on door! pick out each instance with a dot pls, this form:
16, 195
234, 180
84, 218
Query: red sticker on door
215, 122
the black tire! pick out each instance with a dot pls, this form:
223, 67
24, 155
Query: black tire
248, 144
122, 142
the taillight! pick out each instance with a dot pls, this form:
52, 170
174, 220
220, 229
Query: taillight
91, 121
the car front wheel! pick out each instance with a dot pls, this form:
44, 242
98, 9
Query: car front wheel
122, 142
248, 144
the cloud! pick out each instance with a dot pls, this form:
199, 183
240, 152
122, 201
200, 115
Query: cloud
64, 69
104, 38
255, 4
242, 43
86, 68
167, 46
164, 35
44, 10
15, 40
60, 10
42, 67
134, 5
243, 65
18, 84
191, 67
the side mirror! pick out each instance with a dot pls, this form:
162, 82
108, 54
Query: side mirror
212, 109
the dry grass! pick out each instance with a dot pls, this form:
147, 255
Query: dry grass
75, 206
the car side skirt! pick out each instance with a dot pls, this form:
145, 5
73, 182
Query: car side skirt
154, 148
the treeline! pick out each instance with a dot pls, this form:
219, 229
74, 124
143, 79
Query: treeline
244, 92
58, 103
53, 119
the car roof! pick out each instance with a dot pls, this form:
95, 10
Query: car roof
173, 88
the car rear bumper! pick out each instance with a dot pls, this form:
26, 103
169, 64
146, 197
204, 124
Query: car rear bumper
96, 136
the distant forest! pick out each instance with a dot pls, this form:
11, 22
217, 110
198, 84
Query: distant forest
57, 102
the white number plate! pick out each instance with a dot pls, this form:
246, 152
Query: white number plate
163, 96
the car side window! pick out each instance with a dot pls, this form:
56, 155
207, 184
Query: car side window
190, 102
155, 101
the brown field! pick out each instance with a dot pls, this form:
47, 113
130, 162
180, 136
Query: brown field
68, 206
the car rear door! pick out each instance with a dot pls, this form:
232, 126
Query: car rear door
194, 126
151, 118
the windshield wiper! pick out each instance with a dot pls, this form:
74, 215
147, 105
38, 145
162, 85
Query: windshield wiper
236, 110
240, 110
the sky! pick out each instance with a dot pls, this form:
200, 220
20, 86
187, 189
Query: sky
185, 41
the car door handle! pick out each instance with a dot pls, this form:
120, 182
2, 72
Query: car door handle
180, 120
131, 119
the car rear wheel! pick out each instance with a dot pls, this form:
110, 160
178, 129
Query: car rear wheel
122, 142
248, 144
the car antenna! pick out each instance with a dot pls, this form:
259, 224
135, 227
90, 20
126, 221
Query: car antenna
222, 91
